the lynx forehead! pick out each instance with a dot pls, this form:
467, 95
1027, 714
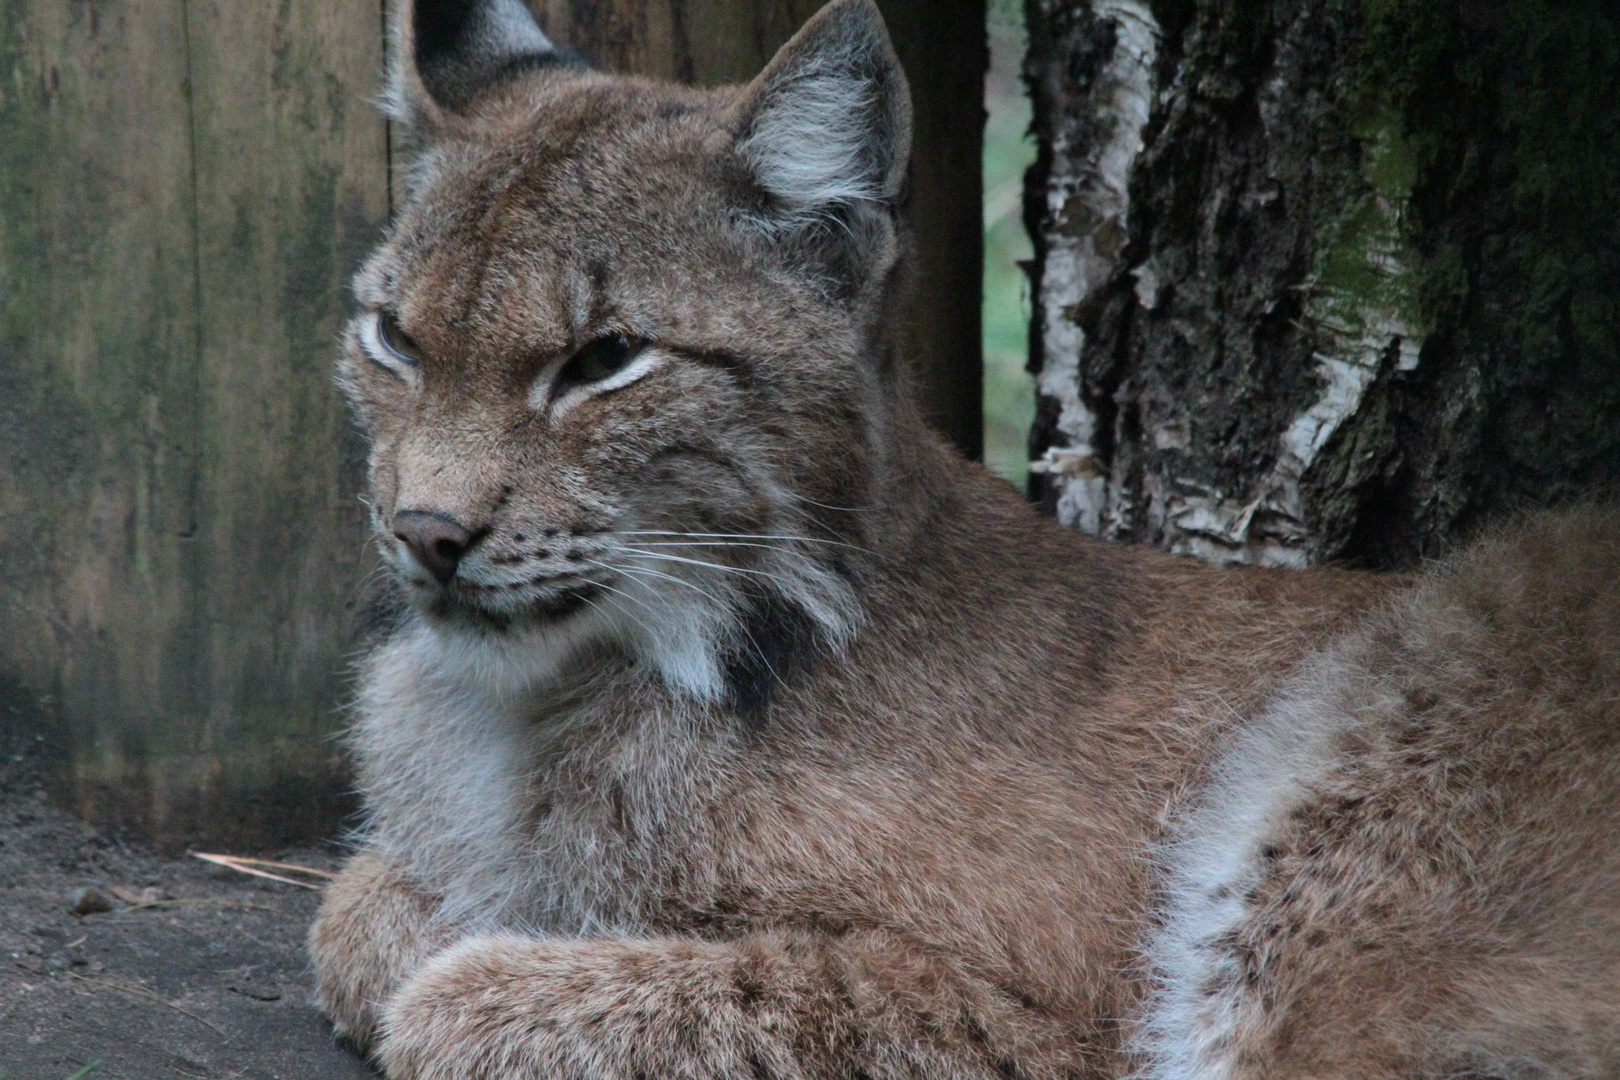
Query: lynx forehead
739, 728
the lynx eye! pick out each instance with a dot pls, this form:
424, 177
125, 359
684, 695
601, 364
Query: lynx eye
396, 340
601, 359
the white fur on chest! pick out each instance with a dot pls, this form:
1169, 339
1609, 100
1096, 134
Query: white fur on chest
520, 807
441, 761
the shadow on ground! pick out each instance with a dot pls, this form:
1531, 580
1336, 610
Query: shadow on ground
211, 984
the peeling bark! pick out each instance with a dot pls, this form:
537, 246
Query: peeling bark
1323, 279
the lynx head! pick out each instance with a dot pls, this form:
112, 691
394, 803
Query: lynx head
622, 359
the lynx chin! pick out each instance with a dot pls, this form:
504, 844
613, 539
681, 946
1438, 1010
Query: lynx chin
737, 728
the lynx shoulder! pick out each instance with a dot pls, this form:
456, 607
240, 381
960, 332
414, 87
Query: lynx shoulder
736, 727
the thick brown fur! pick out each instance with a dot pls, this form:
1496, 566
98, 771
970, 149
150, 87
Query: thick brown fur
746, 731
1434, 894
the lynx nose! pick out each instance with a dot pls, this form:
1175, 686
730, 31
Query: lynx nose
437, 541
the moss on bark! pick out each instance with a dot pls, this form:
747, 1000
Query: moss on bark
1369, 298
1508, 111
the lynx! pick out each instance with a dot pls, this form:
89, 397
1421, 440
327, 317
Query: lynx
737, 728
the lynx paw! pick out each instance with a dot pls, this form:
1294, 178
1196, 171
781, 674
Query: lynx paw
373, 929
510, 1007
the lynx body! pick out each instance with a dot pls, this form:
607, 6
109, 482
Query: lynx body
736, 728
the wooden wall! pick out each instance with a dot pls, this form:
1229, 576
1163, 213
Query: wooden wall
185, 188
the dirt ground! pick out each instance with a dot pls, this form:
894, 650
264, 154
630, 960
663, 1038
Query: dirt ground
212, 982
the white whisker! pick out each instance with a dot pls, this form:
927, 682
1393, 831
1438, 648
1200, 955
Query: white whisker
628, 572
627, 596
741, 536
618, 631
713, 566
720, 544
824, 506
758, 651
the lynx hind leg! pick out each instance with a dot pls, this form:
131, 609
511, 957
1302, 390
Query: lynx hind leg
374, 928
1311, 974
1241, 927
1407, 867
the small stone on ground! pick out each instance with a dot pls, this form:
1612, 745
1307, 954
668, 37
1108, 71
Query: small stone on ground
210, 982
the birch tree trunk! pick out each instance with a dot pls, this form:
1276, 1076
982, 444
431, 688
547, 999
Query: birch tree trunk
1323, 279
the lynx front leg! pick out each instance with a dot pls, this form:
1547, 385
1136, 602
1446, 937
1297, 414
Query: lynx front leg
374, 928
782, 1006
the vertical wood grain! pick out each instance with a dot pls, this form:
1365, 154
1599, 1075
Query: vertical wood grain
185, 187
942, 46
98, 395
291, 167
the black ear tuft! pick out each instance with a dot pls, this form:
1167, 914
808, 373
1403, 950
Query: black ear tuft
446, 53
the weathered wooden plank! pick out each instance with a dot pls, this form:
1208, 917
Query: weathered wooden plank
942, 46
184, 191
98, 395
292, 190
708, 42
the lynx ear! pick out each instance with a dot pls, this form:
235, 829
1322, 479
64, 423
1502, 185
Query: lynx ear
443, 54
827, 124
